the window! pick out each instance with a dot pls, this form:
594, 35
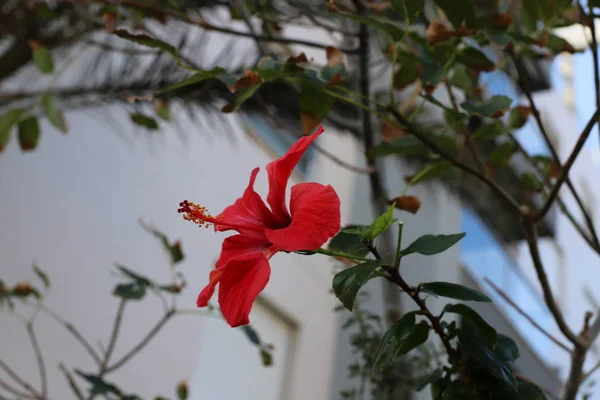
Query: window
279, 139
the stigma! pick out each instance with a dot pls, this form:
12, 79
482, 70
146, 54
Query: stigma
196, 214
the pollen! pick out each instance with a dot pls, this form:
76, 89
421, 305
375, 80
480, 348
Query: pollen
196, 213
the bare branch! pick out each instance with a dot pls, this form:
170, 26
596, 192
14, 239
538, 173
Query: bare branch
18, 379
21, 395
564, 173
39, 359
532, 241
526, 316
72, 384
114, 335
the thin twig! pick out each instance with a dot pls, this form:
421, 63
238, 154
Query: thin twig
594, 48
39, 359
433, 146
114, 335
465, 133
18, 379
532, 241
527, 316
205, 25
72, 384
525, 86
545, 390
143, 342
4, 385
564, 172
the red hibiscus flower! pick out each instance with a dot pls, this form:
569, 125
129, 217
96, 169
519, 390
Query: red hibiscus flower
242, 271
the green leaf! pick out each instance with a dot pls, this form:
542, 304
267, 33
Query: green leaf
348, 282
349, 243
314, 100
381, 24
475, 59
518, 117
251, 334
163, 111
494, 107
135, 276
99, 386
437, 388
29, 133
417, 336
145, 121
7, 121
460, 391
408, 145
54, 114
429, 245
42, 275
396, 332
381, 224
506, 349
266, 357
458, 11
241, 97
147, 41
502, 153
130, 291
432, 170
422, 382
490, 131
174, 250
43, 59
198, 77
407, 74
182, 391
408, 8
455, 291
525, 391
531, 182
485, 330
478, 349
463, 79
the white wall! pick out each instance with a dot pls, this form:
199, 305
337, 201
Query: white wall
73, 206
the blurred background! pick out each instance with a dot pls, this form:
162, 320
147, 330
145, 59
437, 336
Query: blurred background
72, 205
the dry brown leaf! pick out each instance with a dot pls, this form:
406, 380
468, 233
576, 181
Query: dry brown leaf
390, 132
110, 21
407, 203
378, 8
300, 58
309, 122
437, 32
250, 78
334, 56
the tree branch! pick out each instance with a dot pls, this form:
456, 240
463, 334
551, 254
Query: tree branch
18, 379
39, 359
564, 172
72, 384
594, 48
532, 242
114, 335
507, 298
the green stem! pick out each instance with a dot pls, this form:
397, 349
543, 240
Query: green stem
399, 246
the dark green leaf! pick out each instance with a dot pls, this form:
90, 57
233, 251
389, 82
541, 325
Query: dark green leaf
381, 24
349, 243
432, 74
416, 337
251, 334
142, 280
174, 250
42, 275
196, 78
145, 121
407, 74
381, 224
408, 145
7, 121
43, 59
506, 349
531, 182
475, 59
182, 391
494, 107
478, 349
241, 97
455, 291
525, 391
490, 131
163, 111
99, 386
518, 117
460, 391
432, 170
437, 388
266, 357
396, 332
458, 11
348, 282
314, 101
408, 8
429, 245
485, 330
54, 114
130, 291
422, 382
502, 153
147, 41
29, 133
463, 79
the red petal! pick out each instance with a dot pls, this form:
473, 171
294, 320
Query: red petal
279, 172
243, 279
207, 292
315, 218
238, 245
249, 210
